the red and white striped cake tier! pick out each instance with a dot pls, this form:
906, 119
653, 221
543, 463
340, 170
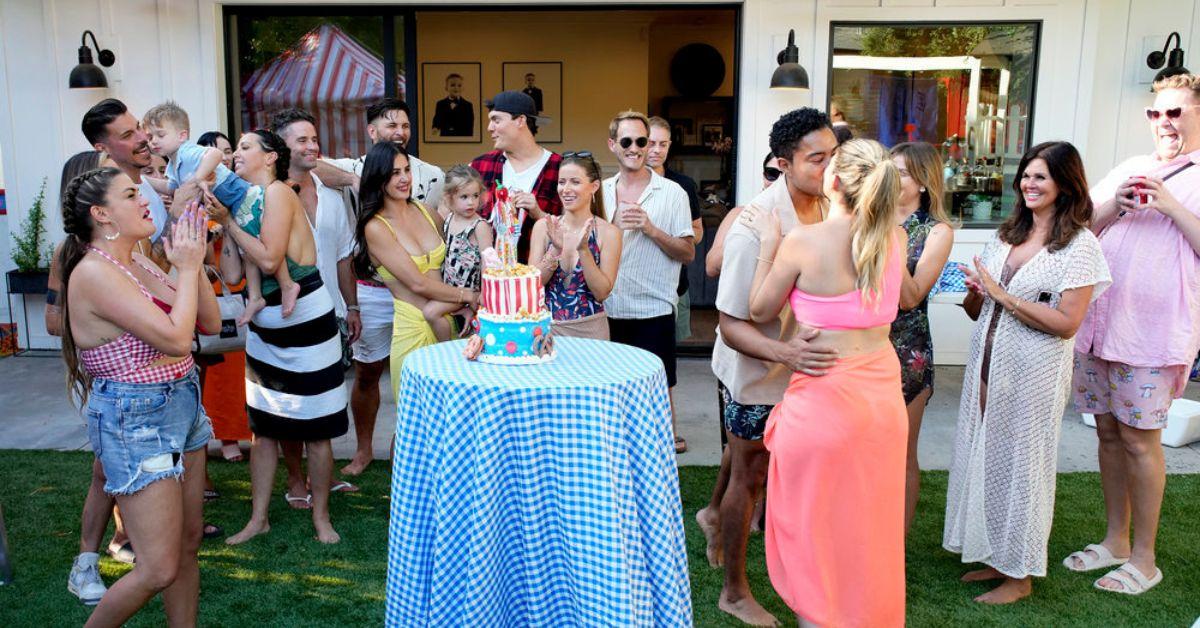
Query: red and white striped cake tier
512, 292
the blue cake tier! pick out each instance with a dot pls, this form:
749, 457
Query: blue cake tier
513, 341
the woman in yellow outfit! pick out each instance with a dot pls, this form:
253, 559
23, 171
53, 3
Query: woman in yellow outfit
400, 244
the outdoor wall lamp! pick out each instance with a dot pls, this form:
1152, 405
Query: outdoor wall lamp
789, 74
1174, 61
87, 74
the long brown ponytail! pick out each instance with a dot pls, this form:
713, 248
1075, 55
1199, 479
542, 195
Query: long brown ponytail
83, 192
871, 186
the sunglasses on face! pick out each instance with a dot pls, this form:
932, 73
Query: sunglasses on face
771, 174
583, 154
641, 142
1173, 113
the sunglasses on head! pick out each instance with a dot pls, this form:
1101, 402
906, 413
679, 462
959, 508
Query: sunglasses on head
583, 154
771, 174
1153, 114
641, 142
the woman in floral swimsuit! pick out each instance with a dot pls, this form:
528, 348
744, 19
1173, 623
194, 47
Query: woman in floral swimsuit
922, 213
577, 254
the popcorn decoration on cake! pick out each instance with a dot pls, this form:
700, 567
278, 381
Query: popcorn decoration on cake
513, 322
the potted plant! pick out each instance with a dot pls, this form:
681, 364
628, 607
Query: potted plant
31, 253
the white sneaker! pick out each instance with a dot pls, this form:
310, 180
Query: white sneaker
84, 581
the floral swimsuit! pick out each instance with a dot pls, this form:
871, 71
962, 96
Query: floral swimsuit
910, 331
463, 259
569, 298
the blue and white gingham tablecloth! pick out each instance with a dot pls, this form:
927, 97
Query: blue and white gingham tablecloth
536, 495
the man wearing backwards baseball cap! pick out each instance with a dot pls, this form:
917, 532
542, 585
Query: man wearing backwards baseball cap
529, 171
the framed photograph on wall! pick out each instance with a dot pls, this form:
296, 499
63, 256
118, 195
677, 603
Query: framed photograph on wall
542, 80
451, 102
711, 134
683, 131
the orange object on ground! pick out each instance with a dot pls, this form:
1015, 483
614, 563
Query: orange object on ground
224, 395
835, 517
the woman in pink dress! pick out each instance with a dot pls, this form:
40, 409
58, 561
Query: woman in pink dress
835, 519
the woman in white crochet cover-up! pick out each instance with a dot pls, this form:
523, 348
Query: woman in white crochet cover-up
1029, 292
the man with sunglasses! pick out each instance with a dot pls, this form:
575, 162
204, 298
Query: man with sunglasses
658, 239
754, 362
529, 171
1139, 338
657, 152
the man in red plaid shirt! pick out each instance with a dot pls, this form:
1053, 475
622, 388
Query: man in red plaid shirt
529, 171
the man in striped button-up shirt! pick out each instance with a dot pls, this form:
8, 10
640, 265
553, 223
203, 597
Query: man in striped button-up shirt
654, 214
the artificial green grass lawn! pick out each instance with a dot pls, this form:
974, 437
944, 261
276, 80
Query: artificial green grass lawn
286, 578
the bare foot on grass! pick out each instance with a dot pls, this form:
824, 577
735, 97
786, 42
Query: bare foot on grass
1008, 592
252, 529
325, 532
748, 610
979, 575
358, 464
710, 525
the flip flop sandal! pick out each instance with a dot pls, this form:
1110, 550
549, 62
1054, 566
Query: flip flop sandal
1131, 579
343, 487
212, 531
1103, 558
210, 495
298, 503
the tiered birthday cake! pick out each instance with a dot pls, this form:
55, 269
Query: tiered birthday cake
514, 324
513, 320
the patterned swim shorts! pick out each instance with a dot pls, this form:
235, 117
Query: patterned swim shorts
1137, 396
747, 422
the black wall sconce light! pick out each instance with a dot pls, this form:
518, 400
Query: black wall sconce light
789, 74
87, 74
1174, 61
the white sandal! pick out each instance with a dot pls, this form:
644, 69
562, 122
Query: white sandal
1104, 558
1132, 580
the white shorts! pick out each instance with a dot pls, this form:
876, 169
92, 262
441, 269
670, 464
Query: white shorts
376, 308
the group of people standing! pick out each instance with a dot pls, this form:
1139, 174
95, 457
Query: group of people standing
853, 237
371, 257
823, 356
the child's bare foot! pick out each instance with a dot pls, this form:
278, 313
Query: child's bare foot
979, 575
253, 306
1008, 592
748, 610
325, 532
252, 529
289, 294
710, 525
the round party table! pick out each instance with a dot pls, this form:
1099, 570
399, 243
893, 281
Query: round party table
536, 495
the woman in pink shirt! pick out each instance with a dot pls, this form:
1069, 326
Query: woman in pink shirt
1135, 345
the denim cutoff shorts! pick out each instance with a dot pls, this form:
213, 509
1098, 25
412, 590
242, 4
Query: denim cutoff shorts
141, 431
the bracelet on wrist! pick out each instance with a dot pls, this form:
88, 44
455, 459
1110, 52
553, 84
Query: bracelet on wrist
353, 308
768, 261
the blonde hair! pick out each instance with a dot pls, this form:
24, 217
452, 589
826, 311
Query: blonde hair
657, 122
459, 177
924, 165
1190, 82
168, 112
871, 187
627, 115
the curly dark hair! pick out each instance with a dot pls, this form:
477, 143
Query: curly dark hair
272, 143
1072, 207
284, 118
791, 127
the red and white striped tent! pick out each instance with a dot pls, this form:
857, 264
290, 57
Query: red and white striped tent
327, 73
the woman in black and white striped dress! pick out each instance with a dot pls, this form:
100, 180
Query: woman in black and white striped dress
294, 378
